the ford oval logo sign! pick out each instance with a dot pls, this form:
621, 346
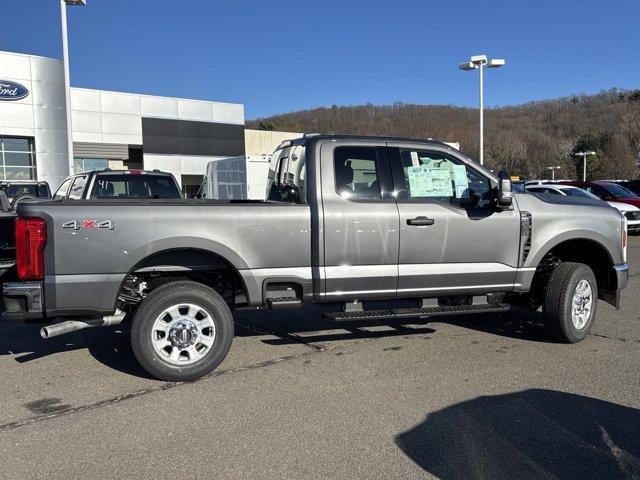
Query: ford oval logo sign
12, 90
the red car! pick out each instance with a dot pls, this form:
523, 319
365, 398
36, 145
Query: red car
608, 191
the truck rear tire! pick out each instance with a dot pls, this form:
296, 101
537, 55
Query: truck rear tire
570, 302
182, 331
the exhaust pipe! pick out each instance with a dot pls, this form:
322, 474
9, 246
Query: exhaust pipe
73, 325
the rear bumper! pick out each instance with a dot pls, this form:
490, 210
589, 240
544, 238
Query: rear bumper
22, 300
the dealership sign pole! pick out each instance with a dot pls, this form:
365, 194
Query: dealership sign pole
67, 82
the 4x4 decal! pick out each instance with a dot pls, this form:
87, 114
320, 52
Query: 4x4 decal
88, 224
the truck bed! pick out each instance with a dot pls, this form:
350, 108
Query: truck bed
92, 245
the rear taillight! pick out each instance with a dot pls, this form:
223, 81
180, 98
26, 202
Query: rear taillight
31, 237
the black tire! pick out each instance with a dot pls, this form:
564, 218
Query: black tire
164, 297
558, 302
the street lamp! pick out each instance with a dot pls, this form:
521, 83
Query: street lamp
67, 82
553, 171
477, 62
584, 156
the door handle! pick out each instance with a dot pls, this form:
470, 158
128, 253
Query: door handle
420, 221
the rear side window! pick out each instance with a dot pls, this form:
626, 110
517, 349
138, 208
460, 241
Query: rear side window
77, 188
134, 186
356, 172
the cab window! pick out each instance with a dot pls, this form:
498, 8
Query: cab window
436, 176
356, 172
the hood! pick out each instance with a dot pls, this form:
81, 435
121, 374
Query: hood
624, 207
566, 199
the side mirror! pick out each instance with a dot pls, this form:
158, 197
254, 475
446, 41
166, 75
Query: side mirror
505, 195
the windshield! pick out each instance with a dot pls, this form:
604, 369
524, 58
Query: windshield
618, 191
121, 185
578, 192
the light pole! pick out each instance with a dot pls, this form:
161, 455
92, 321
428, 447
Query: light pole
584, 156
478, 62
553, 171
67, 81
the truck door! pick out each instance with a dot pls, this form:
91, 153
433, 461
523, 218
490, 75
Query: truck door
360, 222
451, 239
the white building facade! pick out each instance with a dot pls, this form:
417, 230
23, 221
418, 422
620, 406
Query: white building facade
110, 129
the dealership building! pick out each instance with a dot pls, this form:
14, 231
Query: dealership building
110, 129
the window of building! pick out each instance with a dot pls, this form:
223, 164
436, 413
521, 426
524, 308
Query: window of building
81, 165
18, 158
356, 172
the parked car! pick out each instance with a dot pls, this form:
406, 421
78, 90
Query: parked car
631, 185
608, 191
349, 219
21, 189
119, 184
631, 213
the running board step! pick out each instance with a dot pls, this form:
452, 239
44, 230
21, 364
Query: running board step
415, 312
284, 303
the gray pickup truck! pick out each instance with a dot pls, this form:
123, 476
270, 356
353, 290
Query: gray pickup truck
347, 220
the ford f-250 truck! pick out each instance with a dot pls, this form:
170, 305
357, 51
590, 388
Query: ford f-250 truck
348, 220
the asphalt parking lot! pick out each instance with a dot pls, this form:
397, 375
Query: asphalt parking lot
475, 397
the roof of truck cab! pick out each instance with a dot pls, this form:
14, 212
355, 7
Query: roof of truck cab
371, 138
110, 171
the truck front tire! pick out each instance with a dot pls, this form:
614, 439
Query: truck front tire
182, 331
570, 302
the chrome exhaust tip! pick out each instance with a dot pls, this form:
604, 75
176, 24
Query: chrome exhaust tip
69, 326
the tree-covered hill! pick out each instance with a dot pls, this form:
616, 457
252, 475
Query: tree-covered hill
523, 139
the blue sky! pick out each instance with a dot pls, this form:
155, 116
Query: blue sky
282, 55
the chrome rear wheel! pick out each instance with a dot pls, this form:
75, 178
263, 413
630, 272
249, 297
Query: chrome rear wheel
183, 334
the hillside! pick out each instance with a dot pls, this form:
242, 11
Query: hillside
523, 139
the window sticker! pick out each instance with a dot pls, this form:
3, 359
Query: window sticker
460, 180
415, 160
429, 182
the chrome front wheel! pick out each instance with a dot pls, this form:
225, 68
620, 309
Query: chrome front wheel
582, 304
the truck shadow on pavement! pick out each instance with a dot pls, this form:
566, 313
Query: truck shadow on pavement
108, 345
308, 326
528, 434
111, 345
